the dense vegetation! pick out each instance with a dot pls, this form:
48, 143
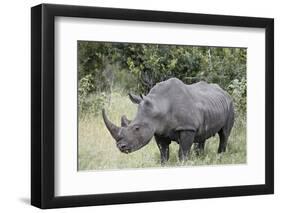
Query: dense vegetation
108, 71
104, 67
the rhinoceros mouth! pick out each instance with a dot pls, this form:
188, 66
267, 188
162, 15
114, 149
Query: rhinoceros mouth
129, 149
133, 149
126, 150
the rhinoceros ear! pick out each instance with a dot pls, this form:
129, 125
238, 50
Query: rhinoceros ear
124, 121
135, 99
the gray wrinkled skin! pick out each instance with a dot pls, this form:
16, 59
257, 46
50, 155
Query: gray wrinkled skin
174, 111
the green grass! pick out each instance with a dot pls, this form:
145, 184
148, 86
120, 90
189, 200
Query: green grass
97, 149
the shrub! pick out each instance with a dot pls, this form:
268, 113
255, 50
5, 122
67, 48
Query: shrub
84, 87
238, 91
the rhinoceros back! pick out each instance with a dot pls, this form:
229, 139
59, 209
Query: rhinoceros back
201, 107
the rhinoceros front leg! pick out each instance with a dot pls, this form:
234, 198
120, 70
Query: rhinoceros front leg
199, 147
185, 142
163, 145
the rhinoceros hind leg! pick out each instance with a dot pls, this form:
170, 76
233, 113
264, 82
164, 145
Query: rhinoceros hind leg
226, 130
223, 140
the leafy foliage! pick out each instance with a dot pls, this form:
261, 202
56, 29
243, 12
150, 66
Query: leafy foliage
84, 88
239, 92
104, 67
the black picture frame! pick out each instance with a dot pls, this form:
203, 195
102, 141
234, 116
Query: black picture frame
43, 102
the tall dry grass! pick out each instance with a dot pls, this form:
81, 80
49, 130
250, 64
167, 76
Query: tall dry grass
97, 149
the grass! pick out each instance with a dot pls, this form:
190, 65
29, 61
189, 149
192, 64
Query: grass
97, 149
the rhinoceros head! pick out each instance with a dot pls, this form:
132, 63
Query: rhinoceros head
132, 135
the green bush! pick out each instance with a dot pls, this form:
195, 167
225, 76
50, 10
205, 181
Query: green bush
238, 91
84, 88
104, 67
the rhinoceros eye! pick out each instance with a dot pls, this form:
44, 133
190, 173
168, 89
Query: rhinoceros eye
147, 103
136, 128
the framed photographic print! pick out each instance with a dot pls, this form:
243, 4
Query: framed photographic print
140, 106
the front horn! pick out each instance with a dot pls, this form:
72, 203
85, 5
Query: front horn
113, 129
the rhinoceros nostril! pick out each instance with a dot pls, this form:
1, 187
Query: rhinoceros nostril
122, 146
